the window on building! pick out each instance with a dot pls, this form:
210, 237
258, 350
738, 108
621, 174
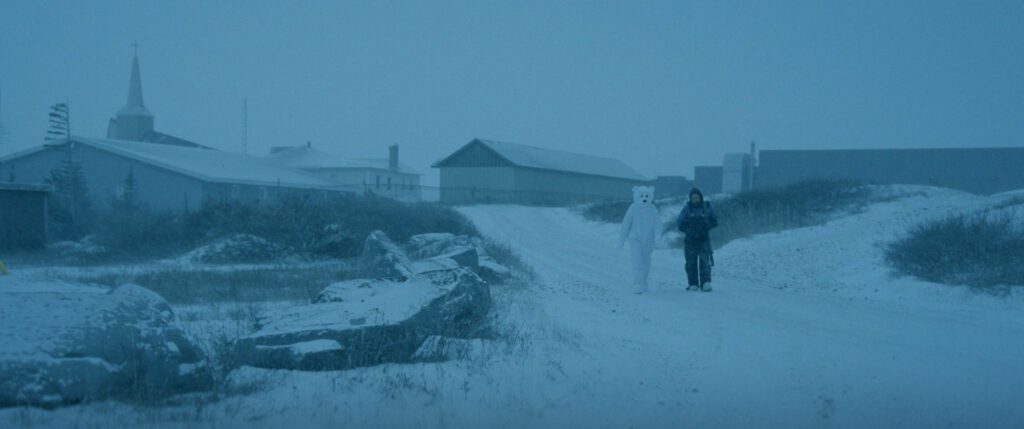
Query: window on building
378, 181
236, 191
389, 183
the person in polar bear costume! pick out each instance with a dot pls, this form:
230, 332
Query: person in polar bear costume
640, 227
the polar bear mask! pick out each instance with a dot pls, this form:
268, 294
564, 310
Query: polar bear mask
643, 194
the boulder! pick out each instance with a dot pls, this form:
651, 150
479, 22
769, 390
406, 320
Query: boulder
368, 322
382, 258
492, 271
424, 246
335, 243
441, 251
238, 249
82, 250
66, 343
464, 256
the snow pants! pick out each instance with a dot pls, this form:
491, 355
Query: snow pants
641, 253
698, 262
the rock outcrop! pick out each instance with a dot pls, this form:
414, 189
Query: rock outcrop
66, 343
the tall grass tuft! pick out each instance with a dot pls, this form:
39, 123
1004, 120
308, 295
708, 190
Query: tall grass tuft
983, 250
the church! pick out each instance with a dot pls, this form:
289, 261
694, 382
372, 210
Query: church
171, 173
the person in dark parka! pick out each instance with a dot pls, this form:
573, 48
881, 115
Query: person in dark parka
696, 220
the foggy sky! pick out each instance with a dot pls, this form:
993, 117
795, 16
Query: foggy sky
662, 85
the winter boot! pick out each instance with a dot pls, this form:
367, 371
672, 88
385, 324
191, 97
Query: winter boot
706, 287
692, 287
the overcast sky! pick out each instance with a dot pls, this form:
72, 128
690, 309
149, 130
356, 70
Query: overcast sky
663, 86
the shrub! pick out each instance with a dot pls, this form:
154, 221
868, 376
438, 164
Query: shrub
981, 250
798, 205
335, 227
274, 283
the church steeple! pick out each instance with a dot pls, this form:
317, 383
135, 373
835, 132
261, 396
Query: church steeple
134, 104
133, 121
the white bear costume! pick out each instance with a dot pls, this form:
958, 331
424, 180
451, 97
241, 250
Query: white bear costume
640, 227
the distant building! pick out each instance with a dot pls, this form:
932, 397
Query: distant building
167, 177
498, 172
23, 216
385, 177
976, 170
670, 186
708, 179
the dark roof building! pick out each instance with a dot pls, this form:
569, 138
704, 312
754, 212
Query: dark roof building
976, 170
492, 171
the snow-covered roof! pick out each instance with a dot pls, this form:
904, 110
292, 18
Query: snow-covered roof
308, 158
209, 165
549, 159
382, 164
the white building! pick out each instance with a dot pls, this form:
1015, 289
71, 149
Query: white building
384, 177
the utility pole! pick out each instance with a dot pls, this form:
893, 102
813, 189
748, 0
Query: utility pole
3, 132
245, 125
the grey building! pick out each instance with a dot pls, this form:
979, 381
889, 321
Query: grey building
23, 216
671, 186
167, 177
708, 179
499, 172
977, 170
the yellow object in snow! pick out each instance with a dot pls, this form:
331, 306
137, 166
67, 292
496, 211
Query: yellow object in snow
3, 269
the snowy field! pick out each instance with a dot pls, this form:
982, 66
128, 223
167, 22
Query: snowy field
805, 328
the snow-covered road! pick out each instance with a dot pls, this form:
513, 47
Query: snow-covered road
805, 329
751, 355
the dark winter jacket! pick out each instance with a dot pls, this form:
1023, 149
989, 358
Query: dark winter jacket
696, 220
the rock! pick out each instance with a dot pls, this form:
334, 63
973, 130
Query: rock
382, 258
236, 249
443, 251
66, 343
428, 265
431, 245
464, 256
493, 272
334, 242
460, 257
81, 250
309, 353
373, 322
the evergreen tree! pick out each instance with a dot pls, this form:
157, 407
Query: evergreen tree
70, 208
127, 201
